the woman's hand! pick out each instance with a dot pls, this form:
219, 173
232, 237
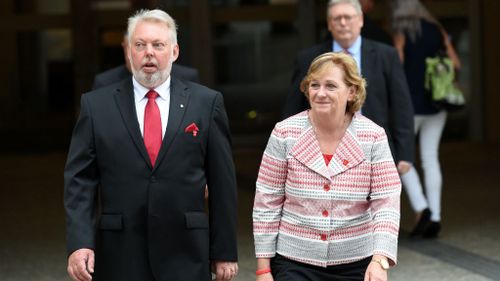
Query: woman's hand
403, 167
375, 272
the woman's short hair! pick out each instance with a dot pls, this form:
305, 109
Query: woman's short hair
352, 78
157, 15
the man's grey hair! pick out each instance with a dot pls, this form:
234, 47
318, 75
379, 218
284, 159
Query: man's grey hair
157, 16
354, 3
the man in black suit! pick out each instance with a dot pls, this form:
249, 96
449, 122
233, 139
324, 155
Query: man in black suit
123, 71
388, 100
147, 146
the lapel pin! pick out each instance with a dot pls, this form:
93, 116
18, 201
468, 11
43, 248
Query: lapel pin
182, 106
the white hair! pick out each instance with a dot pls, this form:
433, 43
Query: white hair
354, 3
153, 16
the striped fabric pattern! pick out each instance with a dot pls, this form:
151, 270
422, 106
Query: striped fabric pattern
327, 215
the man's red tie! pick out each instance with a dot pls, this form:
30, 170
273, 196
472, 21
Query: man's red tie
152, 126
345, 51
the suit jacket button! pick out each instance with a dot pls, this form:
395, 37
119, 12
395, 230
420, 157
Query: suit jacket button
153, 179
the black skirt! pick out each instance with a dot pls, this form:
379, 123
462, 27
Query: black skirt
284, 269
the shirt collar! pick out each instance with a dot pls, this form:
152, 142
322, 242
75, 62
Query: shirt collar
354, 49
141, 91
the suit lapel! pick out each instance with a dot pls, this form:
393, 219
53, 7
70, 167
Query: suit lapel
367, 65
366, 57
179, 98
306, 150
348, 153
326, 47
124, 97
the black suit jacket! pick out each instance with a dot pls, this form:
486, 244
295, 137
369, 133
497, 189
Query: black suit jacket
151, 224
387, 102
121, 72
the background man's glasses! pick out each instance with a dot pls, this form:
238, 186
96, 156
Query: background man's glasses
346, 18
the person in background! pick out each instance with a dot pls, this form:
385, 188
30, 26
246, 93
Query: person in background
388, 100
417, 36
147, 146
124, 71
328, 192
370, 30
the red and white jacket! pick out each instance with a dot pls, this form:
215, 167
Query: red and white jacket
327, 215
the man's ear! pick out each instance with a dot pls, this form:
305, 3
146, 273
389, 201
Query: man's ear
129, 55
175, 52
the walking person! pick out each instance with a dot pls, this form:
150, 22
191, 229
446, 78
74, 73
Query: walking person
417, 36
327, 200
147, 146
388, 102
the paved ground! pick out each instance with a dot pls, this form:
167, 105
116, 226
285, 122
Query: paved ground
32, 221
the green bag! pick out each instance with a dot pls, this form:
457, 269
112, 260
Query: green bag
440, 81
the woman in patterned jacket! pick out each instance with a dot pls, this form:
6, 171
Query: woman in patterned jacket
328, 192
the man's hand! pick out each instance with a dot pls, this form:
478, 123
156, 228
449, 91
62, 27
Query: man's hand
81, 265
403, 167
224, 270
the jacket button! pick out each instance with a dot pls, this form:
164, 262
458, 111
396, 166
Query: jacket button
153, 179
323, 237
326, 187
325, 213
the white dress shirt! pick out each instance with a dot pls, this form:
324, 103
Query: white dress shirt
354, 50
163, 102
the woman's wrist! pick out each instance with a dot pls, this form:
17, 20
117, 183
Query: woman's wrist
262, 271
263, 266
380, 257
383, 261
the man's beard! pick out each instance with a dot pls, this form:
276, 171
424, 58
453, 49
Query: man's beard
151, 80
